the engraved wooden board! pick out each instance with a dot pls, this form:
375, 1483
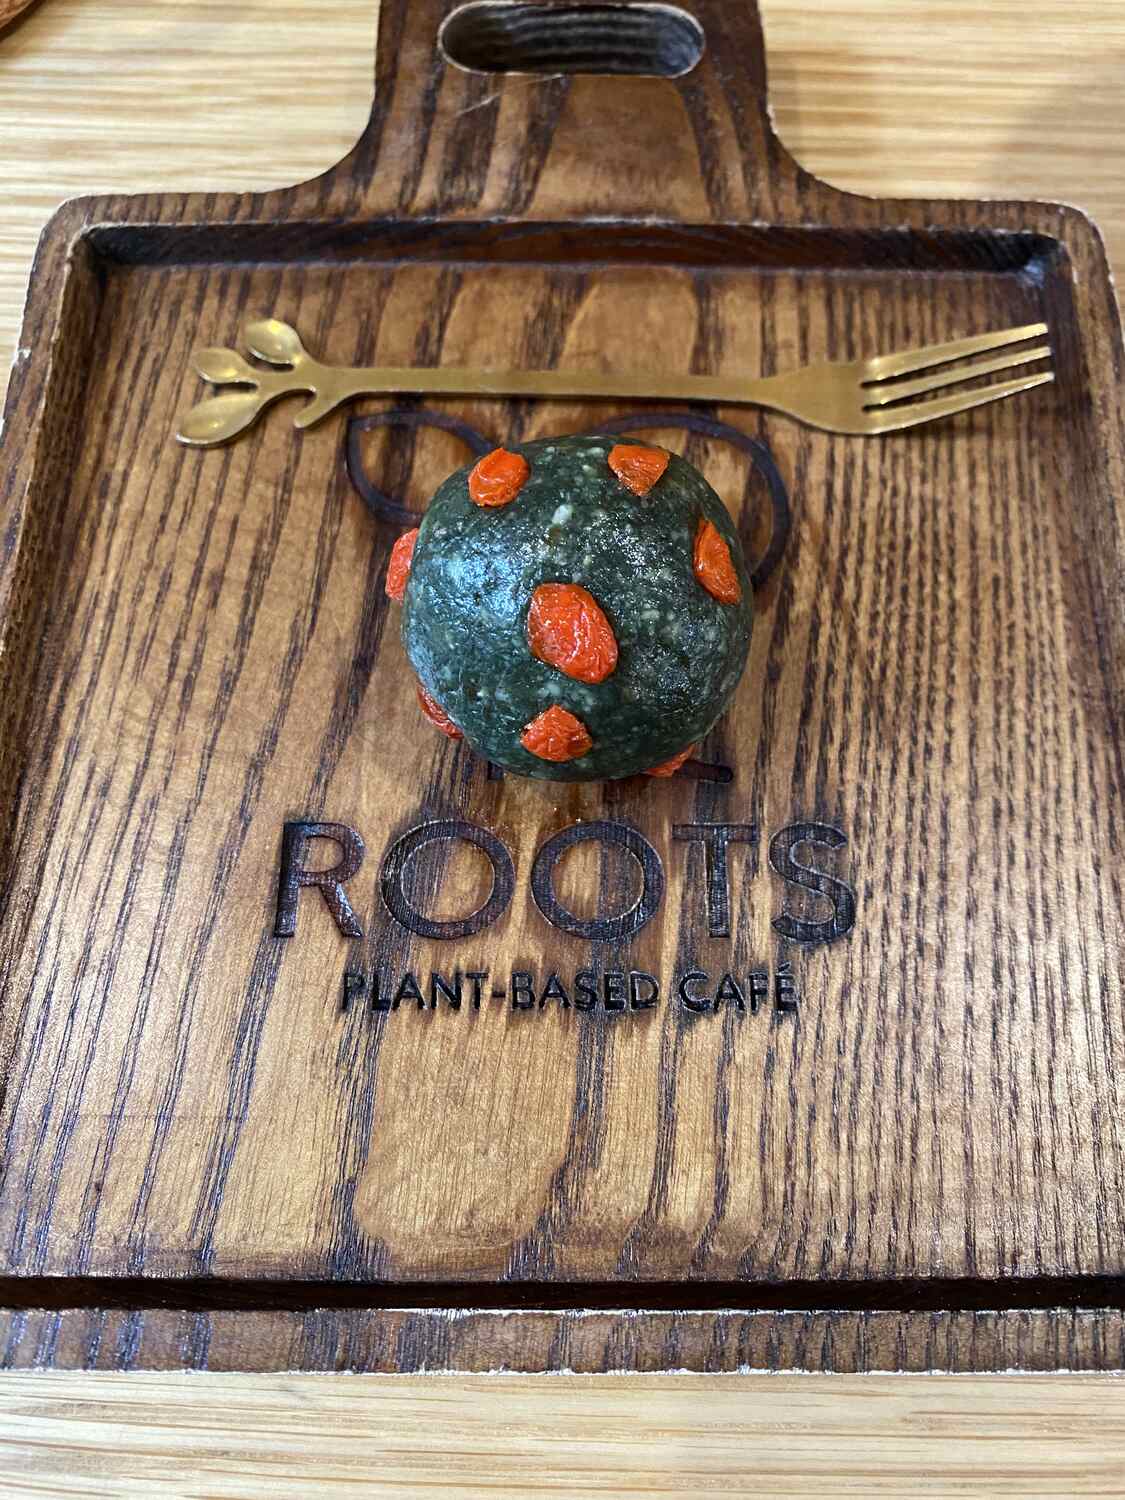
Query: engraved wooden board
897, 1144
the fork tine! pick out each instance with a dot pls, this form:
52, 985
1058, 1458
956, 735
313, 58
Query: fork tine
883, 366
898, 417
899, 390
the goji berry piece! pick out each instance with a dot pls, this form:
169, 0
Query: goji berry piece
567, 629
498, 477
638, 468
713, 566
398, 568
437, 715
556, 735
670, 767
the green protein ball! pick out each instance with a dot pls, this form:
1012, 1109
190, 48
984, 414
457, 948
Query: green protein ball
571, 627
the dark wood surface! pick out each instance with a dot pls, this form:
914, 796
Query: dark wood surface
197, 649
584, 1341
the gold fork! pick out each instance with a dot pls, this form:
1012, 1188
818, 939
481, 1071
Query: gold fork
864, 397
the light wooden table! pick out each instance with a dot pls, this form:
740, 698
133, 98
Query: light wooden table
890, 96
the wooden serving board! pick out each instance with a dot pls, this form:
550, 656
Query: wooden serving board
873, 1118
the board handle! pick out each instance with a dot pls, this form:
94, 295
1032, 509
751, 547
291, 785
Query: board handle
563, 109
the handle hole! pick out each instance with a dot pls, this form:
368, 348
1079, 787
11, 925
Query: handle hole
508, 36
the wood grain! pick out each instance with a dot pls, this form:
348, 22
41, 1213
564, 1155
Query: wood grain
877, 96
11, 10
227, 95
522, 1336
198, 647
839, 89
954, 100
646, 1436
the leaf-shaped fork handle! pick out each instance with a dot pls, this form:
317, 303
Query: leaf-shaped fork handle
252, 388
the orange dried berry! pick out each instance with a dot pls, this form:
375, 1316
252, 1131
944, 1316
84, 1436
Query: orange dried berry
637, 468
437, 715
556, 735
497, 478
713, 566
567, 629
398, 569
670, 767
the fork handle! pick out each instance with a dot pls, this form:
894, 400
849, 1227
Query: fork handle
336, 384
